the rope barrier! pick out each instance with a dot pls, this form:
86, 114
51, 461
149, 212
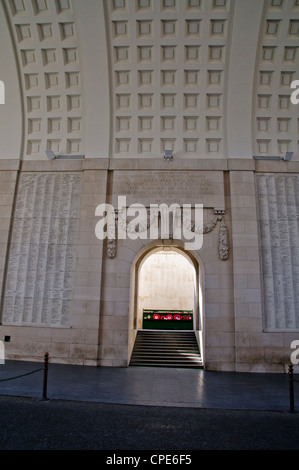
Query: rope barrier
45, 376
22, 375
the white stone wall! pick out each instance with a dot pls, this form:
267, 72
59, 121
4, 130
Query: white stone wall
277, 196
246, 269
42, 249
103, 323
120, 82
258, 347
166, 282
8, 179
77, 341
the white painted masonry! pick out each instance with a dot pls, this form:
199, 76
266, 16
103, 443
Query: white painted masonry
119, 82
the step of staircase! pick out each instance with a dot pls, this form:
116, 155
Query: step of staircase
166, 348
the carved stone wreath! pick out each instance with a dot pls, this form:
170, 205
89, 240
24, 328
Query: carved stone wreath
129, 227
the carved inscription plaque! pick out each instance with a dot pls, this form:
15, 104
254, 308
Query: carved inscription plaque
278, 206
181, 187
42, 252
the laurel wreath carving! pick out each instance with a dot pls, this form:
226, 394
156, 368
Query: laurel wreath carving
152, 215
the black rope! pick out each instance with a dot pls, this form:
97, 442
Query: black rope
22, 375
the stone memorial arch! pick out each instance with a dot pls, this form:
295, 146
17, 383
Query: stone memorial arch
150, 103
189, 294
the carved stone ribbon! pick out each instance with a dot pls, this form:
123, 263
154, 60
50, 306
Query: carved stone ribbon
207, 228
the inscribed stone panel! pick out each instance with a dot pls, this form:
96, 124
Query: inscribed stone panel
278, 207
181, 187
42, 252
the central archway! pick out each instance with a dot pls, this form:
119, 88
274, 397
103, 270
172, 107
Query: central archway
156, 260
166, 291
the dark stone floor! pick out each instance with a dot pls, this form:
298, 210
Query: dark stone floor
144, 409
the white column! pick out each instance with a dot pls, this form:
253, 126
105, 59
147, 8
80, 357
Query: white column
94, 65
245, 38
11, 113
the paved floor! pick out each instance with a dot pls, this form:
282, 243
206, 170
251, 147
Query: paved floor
142, 409
191, 388
32, 424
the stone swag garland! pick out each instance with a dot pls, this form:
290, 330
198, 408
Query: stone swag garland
223, 244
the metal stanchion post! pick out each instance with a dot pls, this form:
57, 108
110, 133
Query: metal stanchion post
291, 388
45, 382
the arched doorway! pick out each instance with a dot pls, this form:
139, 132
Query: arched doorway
166, 291
166, 277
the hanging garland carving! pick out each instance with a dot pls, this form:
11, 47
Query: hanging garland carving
223, 241
153, 215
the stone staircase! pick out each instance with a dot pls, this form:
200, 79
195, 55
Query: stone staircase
156, 348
